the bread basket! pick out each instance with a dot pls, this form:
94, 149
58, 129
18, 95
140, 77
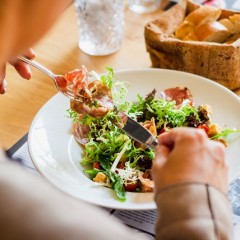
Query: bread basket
219, 62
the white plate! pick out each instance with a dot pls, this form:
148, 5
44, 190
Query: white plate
57, 156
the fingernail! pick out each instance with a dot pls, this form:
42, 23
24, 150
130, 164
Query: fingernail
3, 88
28, 73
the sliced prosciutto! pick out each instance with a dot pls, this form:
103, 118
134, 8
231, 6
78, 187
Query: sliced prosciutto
78, 78
178, 94
80, 131
93, 98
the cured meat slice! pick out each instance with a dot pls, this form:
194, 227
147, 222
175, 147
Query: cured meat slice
178, 94
93, 98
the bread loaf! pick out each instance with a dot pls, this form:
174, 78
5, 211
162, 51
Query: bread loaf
235, 19
211, 32
203, 24
202, 15
201, 49
229, 25
184, 30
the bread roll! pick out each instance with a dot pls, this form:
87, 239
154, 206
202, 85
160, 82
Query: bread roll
229, 25
233, 38
191, 37
212, 32
235, 19
202, 15
233, 25
184, 30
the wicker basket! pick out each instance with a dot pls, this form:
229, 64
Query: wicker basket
217, 61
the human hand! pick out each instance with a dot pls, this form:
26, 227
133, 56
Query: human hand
187, 154
22, 68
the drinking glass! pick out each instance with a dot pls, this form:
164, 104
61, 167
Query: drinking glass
101, 26
144, 6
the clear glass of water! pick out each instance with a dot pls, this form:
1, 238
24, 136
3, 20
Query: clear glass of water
101, 26
144, 6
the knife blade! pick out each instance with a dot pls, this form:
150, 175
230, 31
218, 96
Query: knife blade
139, 133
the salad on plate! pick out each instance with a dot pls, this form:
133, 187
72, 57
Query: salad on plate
111, 158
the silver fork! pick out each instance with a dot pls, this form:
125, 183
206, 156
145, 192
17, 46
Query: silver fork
67, 91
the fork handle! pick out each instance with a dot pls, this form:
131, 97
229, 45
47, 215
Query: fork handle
38, 66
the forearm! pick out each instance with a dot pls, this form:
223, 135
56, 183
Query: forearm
193, 211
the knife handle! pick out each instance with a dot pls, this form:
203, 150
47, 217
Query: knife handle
152, 142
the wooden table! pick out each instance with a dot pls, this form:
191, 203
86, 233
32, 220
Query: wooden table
59, 51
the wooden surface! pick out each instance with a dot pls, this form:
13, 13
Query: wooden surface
59, 51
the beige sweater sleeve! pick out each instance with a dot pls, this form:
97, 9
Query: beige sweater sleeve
30, 208
193, 211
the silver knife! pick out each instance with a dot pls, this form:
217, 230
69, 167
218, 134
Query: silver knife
139, 133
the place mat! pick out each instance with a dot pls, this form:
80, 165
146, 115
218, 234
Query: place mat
143, 221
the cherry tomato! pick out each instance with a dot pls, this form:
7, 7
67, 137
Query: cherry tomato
96, 165
131, 187
204, 127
